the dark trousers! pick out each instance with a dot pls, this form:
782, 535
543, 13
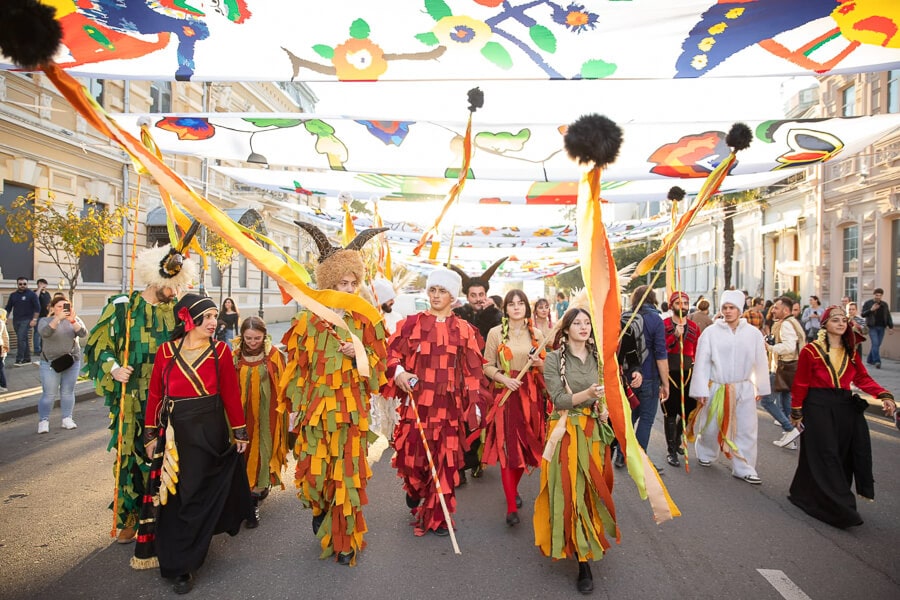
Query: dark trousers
23, 354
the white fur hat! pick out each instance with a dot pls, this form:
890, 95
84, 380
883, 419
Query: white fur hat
152, 268
445, 278
735, 297
384, 290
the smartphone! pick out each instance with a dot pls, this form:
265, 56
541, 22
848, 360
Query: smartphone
67, 306
413, 381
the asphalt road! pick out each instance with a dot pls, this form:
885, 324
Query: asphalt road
734, 540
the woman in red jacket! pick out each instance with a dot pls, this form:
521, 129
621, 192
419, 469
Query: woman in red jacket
197, 474
835, 448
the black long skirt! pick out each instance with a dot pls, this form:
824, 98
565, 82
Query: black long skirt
835, 453
213, 495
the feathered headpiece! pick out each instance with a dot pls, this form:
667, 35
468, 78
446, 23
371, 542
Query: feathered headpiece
335, 261
483, 280
166, 266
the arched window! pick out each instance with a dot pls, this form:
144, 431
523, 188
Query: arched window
161, 97
850, 261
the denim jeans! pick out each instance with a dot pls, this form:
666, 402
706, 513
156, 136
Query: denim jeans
876, 336
22, 352
778, 404
37, 342
645, 413
57, 385
3, 372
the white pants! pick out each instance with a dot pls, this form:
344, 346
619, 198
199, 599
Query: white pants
746, 424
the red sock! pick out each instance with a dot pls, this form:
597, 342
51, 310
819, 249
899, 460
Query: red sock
510, 477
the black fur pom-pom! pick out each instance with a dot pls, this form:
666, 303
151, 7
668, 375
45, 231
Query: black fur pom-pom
675, 193
30, 35
739, 137
476, 99
593, 139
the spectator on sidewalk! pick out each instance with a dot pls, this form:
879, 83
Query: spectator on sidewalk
701, 315
784, 348
227, 327
877, 314
24, 308
858, 324
60, 362
44, 300
4, 350
755, 316
811, 318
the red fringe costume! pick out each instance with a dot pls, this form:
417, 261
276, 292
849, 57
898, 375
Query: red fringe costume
445, 357
332, 402
266, 413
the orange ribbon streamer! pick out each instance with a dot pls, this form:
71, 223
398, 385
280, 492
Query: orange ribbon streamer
455, 191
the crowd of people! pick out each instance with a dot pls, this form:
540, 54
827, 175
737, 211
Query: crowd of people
205, 408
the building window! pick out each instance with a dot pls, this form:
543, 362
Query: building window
92, 267
851, 249
16, 260
215, 275
895, 258
96, 88
848, 101
851, 288
161, 97
242, 271
893, 91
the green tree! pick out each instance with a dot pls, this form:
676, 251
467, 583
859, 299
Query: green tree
64, 237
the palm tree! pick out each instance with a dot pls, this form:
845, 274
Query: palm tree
729, 204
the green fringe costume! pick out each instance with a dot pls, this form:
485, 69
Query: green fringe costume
150, 327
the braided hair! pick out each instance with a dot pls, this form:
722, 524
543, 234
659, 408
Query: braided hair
562, 340
256, 324
504, 326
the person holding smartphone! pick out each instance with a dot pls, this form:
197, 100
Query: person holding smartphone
60, 332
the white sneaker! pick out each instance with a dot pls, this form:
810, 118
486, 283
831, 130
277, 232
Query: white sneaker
3, 390
787, 438
68, 423
777, 423
43, 426
791, 446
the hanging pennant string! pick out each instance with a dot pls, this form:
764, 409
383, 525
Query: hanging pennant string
128, 322
476, 101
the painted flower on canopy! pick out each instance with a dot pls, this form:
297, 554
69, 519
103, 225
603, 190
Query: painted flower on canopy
359, 60
389, 132
489, 3
462, 32
575, 18
187, 128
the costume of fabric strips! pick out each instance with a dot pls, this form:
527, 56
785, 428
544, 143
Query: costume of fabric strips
574, 514
324, 387
515, 431
150, 327
266, 413
444, 355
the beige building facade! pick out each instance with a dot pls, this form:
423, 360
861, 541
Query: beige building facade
46, 148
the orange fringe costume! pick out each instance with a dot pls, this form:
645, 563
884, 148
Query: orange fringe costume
332, 402
444, 355
266, 413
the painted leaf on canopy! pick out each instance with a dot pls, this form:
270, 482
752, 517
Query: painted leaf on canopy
597, 69
497, 54
543, 38
280, 123
324, 51
437, 9
359, 29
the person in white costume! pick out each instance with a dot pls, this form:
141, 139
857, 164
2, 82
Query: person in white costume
730, 376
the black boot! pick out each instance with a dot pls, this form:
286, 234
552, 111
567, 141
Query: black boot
252, 521
183, 584
412, 502
317, 522
462, 478
585, 583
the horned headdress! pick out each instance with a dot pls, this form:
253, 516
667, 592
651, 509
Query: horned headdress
337, 261
167, 266
483, 280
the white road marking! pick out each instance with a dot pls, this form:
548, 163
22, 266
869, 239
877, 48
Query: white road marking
783, 585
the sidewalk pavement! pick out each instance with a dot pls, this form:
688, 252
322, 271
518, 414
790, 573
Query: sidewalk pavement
24, 385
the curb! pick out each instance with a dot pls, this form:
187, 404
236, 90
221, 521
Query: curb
27, 405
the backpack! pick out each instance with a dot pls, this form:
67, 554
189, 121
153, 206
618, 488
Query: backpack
634, 349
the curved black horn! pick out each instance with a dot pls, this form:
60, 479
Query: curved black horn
463, 275
364, 236
188, 236
319, 237
490, 270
